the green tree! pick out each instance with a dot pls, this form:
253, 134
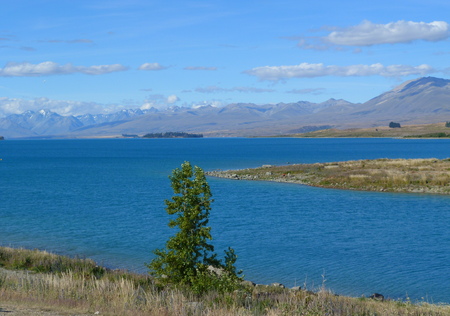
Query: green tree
189, 258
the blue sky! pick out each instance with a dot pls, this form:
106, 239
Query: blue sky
98, 56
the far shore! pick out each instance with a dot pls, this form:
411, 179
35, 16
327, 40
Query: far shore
431, 176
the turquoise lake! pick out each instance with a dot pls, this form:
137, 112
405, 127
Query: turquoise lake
104, 199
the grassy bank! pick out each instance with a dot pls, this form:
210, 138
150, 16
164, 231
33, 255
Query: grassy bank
391, 175
67, 286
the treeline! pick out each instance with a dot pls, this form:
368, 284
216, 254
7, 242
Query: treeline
172, 135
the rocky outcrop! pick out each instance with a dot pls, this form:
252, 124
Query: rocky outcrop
377, 297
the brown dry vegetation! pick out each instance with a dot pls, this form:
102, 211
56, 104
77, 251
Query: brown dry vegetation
64, 292
380, 131
392, 175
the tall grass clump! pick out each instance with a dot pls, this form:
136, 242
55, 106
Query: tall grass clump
44, 262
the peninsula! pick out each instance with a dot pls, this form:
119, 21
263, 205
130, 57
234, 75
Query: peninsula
386, 175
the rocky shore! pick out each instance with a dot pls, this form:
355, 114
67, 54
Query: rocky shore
430, 176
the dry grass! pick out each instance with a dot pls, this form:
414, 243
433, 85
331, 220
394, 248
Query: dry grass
119, 293
422, 130
393, 175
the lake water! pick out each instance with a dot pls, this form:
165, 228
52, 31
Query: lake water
104, 199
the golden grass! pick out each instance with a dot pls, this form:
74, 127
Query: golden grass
393, 175
120, 293
422, 130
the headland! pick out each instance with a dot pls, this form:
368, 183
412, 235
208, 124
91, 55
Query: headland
385, 175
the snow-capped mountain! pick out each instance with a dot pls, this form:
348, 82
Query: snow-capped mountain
420, 101
123, 115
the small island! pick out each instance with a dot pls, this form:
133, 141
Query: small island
384, 175
2, 138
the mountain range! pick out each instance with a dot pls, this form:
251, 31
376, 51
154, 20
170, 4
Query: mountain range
420, 101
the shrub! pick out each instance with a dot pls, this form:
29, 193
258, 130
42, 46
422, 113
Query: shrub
394, 125
189, 258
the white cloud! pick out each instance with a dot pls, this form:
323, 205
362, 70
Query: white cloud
152, 66
306, 70
49, 68
159, 101
213, 103
101, 69
10, 106
172, 99
368, 33
147, 106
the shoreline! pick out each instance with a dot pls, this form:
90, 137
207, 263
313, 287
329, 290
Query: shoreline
40, 283
427, 176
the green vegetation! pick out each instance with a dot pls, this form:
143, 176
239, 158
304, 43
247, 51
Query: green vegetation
44, 262
123, 293
189, 259
447, 124
392, 175
394, 125
172, 135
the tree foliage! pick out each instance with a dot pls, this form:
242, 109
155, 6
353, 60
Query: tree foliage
189, 258
394, 125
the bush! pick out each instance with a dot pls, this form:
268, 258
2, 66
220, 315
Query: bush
189, 258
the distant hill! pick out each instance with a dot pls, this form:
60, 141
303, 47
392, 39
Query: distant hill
419, 101
424, 100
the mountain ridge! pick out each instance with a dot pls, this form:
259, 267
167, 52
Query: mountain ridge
422, 100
